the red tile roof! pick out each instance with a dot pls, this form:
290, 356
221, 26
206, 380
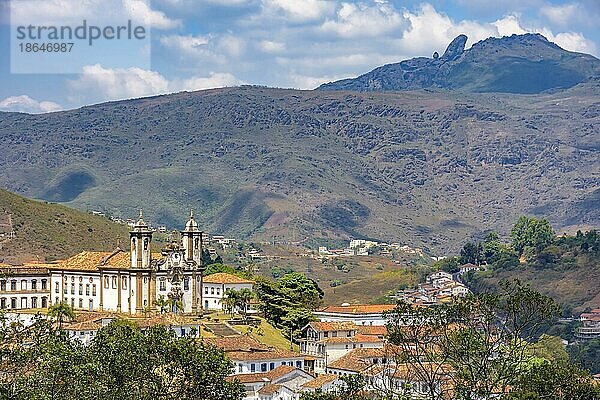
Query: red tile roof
333, 326
320, 381
359, 309
223, 278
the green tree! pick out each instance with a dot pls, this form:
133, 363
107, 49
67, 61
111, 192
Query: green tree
531, 232
229, 301
302, 290
62, 312
243, 299
559, 380
122, 362
485, 339
471, 253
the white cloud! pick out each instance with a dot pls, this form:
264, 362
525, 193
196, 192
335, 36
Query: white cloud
108, 12
26, 104
509, 25
214, 80
269, 46
362, 20
141, 11
572, 41
299, 10
114, 84
560, 14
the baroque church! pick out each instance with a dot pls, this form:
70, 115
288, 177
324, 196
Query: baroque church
134, 281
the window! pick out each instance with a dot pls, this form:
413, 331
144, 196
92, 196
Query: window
263, 367
44, 284
218, 291
252, 367
23, 284
44, 302
56, 287
3, 302
3, 286
80, 303
326, 334
72, 288
240, 368
93, 290
34, 285
271, 366
87, 289
73, 302
186, 284
34, 302
145, 303
13, 285
298, 364
212, 290
23, 302
114, 282
81, 289
205, 290
106, 286
56, 300
334, 334
13, 302
91, 305
124, 282
163, 284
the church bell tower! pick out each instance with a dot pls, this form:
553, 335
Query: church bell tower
140, 238
192, 241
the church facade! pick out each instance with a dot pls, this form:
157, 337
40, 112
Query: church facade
133, 282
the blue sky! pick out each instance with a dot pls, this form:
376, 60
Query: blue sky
199, 44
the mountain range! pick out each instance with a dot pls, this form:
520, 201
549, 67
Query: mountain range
427, 167
516, 64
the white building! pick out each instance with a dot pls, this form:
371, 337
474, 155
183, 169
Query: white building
216, 285
120, 281
24, 286
251, 356
358, 314
329, 341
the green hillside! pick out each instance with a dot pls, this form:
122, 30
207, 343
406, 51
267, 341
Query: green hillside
424, 168
44, 231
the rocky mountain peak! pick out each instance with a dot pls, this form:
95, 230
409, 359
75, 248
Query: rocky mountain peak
455, 48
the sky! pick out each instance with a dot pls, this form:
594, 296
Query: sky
201, 44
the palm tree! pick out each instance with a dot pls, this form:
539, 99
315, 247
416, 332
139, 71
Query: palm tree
62, 311
162, 303
229, 301
244, 297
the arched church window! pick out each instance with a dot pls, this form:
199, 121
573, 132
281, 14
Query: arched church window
114, 282
106, 282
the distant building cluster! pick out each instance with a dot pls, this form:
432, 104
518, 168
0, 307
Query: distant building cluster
440, 288
590, 325
361, 247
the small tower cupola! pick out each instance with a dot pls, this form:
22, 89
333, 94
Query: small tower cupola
192, 240
140, 238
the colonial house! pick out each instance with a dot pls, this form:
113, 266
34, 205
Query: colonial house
216, 285
86, 326
250, 356
284, 383
358, 314
590, 325
328, 341
24, 286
